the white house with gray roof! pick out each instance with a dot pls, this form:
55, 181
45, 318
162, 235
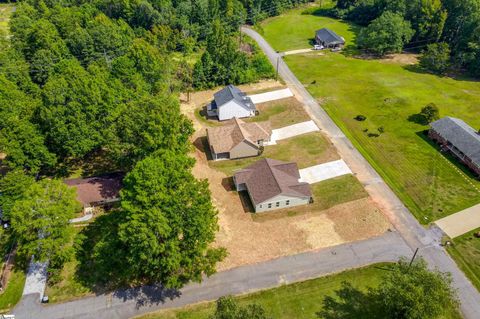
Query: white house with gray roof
460, 139
231, 103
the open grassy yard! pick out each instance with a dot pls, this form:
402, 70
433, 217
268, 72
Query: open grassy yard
296, 29
388, 94
13, 293
281, 113
466, 252
300, 300
306, 150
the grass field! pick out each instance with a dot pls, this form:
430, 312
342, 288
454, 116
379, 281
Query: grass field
466, 252
388, 94
300, 300
13, 293
306, 150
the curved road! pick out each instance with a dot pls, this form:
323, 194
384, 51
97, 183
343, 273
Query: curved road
411, 231
123, 304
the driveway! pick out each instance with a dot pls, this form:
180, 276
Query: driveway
293, 130
271, 96
36, 279
299, 51
413, 233
461, 222
125, 304
324, 171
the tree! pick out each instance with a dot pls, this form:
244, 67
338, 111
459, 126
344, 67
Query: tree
436, 58
13, 187
227, 308
386, 34
430, 113
170, 222
405, 292
40, 219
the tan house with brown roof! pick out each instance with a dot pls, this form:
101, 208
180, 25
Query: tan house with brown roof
273, 184
238, 139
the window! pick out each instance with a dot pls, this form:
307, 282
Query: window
287, 202
260, 206
277, 204
270, 205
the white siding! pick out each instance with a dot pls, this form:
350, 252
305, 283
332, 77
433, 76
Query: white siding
231, 110
282, 203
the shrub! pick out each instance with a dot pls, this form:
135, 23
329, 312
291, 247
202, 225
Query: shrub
430, 113
360, 118
436, 58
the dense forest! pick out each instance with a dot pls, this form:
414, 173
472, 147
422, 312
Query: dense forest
97, 82
448, 30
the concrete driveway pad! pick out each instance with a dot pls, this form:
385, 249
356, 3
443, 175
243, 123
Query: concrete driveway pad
461, 222
293, 130
36, 279
271, 96
324, 171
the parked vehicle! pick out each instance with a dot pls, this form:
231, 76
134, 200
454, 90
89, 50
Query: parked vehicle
318, 47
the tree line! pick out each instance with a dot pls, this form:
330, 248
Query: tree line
80, 78
446, 30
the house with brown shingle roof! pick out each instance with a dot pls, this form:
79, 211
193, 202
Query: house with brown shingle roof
273, 184
238, 139
98, 190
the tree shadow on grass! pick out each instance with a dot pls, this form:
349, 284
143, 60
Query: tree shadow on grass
457, 75
349, 303
418, 119
101, 259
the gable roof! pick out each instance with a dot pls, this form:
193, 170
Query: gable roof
224, 138
230, 93
461, 135
268, 178
97, 189
328, 36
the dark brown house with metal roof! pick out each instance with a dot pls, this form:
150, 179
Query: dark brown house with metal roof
273, 184
458, 138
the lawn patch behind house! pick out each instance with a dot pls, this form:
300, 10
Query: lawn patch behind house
300, 300
306, 150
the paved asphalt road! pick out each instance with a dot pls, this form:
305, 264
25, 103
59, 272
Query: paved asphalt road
411, 231
124, 304
127, 303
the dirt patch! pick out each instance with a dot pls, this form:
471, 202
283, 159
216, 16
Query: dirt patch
358, 220
398, 58
250, 240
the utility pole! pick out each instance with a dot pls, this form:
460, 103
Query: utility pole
413, 258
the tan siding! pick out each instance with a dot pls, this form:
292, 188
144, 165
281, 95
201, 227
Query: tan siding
243, 149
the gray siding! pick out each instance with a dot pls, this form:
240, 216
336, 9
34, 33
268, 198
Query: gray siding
282, 203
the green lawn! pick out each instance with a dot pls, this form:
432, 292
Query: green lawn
296, 29
306, 150
466, 252
13, 293
300, 300
335, 191
388, 94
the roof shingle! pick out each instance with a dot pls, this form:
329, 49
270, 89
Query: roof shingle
461, 135
268, 178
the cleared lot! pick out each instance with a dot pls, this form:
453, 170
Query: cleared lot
342, 211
